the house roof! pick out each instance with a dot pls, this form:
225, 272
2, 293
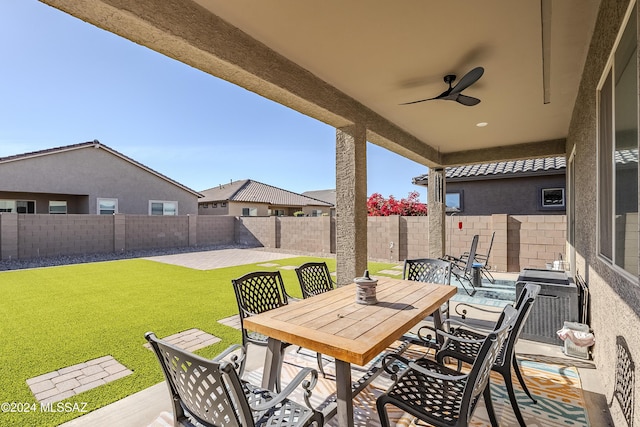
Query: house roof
328, 196
248, 190
99, 145
510, 169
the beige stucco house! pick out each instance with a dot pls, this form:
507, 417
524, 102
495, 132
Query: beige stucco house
248, 197
88, 178
515, 187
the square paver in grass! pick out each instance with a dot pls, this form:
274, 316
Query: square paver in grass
391, 272
66, 382
231, 321
268, 264
190, 340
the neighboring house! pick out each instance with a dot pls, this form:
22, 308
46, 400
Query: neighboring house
89, 178
328, 196
520, 187
252, 198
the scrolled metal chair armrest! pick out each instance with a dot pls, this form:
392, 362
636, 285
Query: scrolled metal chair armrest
437, 375
236, 359
463, 312
299, 379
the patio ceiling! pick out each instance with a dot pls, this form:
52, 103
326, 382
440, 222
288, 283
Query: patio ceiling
355, 61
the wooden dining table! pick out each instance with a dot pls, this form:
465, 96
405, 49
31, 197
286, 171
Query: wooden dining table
335, 325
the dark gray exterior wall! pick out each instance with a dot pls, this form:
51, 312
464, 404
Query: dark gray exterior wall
512, 196
86, 174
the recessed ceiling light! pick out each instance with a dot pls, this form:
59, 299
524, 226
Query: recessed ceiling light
482, 124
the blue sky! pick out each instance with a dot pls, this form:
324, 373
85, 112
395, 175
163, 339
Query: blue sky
65, 81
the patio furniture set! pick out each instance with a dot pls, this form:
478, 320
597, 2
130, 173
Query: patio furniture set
330, 321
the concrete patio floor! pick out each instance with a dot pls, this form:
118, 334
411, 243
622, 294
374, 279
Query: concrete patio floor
149, 407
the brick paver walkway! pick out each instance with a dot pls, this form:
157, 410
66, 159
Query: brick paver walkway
190, 340
72, 380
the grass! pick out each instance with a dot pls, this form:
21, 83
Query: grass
61, 316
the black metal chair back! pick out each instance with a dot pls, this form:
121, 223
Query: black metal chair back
314, 278
427, 270
256, 293
211, 393
441, 396
467, 352
207, 391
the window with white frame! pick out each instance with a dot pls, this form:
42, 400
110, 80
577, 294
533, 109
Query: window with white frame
618, 153
107, 206
453, 201
552, 198
316, 212
57, 206
160, 207
249, 211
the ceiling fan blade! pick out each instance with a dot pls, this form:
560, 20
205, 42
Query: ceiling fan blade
467, 100
470, 78
420, 100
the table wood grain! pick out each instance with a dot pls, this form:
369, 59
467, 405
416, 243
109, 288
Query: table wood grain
334, 324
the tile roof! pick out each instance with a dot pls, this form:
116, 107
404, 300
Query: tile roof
328, 196
95, 144
248, 190
546, 165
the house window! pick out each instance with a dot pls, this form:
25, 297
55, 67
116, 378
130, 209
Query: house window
157, 207
249, 211
214, 205
7, 206
18, 206
453, 202
618, 154
57, 206
223, 205
316, 212
277, 212
552, 198
107, 206
25, 206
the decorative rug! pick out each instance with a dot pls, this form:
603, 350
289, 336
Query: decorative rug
556, 387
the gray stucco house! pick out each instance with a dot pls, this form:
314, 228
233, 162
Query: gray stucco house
89, 178
518, 187
248, 197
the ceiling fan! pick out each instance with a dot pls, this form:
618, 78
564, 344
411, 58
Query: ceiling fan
454, 93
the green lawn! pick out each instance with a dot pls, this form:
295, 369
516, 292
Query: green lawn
61, 316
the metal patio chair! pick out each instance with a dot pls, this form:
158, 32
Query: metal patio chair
428, 270
256, 293
315, 278
210, 393
463, 346
441, 396
483, 260
462, 269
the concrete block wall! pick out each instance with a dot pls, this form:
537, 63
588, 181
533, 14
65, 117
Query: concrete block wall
414, 235
520, 241
305, 234
147, 232
534, 240
382, 231
215, 230
256, 231
44, 235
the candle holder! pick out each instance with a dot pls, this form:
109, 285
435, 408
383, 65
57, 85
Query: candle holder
366, 289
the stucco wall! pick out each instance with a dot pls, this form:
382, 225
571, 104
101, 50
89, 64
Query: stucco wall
513, 196
95, 173
615, 296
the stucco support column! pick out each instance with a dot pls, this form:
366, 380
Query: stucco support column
351, 203
436, 205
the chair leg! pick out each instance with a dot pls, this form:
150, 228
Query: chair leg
320, 367
382, 411
489, 405
508, 382
516, 368
487, 274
